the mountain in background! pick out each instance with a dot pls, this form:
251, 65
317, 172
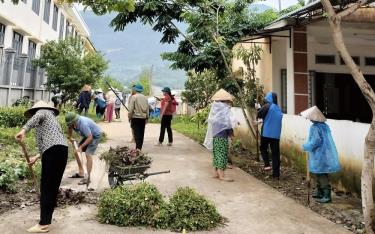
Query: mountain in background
132, 50
259, 7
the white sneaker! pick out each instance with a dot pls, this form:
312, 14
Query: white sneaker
159, 144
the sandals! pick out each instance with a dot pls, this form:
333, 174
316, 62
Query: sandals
267, 168
76, 176
38, 229
84, 181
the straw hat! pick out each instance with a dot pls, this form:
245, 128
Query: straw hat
38, 106
222, 95
314, 114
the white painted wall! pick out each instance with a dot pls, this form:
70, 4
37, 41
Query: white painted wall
359, 38
22, 19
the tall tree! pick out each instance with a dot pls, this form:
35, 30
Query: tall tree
334, 19
67, 69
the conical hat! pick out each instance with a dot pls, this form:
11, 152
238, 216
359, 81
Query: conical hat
222, 95
314, 114
40, 105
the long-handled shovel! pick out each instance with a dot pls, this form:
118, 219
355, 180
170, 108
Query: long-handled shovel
308, 179
26, 154
78, 158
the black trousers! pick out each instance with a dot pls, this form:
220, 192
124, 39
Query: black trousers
53, 165
138, 126
117, 113
274, 144
166, 122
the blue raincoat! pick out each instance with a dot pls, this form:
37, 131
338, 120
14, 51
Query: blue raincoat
273, 120
323, 156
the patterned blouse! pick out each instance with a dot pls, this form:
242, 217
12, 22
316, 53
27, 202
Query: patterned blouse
48, 130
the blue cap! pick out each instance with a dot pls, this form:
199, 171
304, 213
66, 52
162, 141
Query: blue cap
138, 88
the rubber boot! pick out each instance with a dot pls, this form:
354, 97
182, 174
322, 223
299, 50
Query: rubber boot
317, 193
326, 195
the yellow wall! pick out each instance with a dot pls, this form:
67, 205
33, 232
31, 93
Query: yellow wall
263, 69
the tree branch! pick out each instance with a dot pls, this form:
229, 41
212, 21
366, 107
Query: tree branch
351, 9
186, 37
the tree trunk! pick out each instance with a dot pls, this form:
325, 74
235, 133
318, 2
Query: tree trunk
369, 151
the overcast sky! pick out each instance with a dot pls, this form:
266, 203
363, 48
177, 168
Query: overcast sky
275, 3
272, 3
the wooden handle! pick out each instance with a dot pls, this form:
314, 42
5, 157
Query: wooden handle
24, 149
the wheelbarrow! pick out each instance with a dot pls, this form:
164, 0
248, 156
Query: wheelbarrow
117, 175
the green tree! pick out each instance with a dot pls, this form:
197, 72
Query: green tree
112, 81
144, 79
200, 87
67, 69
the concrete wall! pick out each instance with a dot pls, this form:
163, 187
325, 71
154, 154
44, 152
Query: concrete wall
349, 138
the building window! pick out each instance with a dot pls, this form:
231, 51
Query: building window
325, 59
55, 16
36, 6
32, 50
67, 29
17, 43
369, 61
62, 22
2, 33
355, 58
47, 9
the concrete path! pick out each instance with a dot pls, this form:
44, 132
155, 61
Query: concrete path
250, 205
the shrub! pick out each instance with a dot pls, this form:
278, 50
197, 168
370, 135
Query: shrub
130, 205
12, 117
190, 211
8, 176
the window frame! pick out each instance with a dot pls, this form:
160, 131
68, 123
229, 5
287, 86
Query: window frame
321, 57
17, 46
55, 17
62, 26
2, 33
47, 11
36, 6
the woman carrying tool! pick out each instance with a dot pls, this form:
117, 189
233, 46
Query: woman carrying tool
168, 108
323, 157
54, 151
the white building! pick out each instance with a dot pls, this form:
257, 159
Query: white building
24, 28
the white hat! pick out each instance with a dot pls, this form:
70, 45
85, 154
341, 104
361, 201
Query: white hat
99, 91
314, 114
40, 105
222, 95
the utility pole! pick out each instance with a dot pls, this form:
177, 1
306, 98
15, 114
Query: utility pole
151, 87
279, 5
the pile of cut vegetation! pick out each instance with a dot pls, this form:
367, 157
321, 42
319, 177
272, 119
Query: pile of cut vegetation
124, 156
143, 205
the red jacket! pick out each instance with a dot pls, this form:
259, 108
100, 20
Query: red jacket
168, 105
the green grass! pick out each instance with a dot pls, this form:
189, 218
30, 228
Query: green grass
187, 127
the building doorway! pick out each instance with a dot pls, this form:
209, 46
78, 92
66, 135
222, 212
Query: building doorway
339, 97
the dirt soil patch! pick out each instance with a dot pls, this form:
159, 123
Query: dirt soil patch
345, 209
26, 196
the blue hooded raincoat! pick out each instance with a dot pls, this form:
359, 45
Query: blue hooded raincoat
272, 121
322, 150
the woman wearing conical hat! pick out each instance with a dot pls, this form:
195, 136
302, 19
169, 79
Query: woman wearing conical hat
323, 156
54, 151
220, 128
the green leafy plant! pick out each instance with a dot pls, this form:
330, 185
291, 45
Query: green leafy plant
189, 210
8, 176
130, 205
11, 117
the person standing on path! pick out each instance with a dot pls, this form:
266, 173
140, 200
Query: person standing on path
323, 156
219, 129
54, 151
118, 104
100, 104
272, 116
138, 115
168, 108
84, 100
91, 135
111, 99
